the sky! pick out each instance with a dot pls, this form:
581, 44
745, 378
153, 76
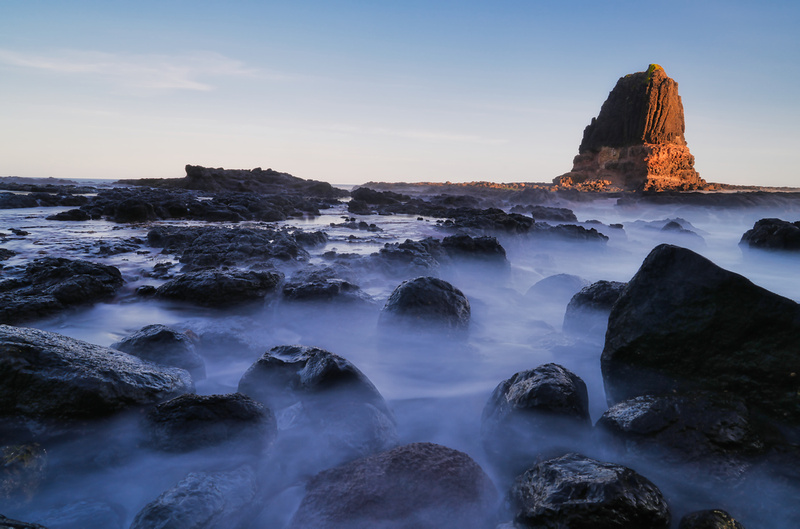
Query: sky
356, 91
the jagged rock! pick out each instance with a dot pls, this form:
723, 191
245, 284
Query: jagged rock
51, 284
588, 310
420, 485
53, 377
202, 500
427, 302
683, 323
773, 234
711, 519
212, 288
481, 248
576, 491
162, 345
637, 141
532, 413
190, 422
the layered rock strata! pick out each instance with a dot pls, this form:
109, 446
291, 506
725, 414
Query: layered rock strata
637, 141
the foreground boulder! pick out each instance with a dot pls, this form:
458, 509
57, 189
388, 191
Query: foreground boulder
684, 323
51, 284
44, 375
773, 234
162, 345
202, 500
428, 302
190, 422
531, 413
215, 288
575, 491
420, 485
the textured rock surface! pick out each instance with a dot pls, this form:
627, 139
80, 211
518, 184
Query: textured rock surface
588, 310
773, 234
420, 485
637, 141
577, 492
426, 302
212, 288
711, 519
163, 345
684, 323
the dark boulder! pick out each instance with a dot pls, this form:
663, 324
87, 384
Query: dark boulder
324, 289
420, 485
72, 214
581, 493
53, 377
8, 523
370, 196
546, 213
202, 500
557, 289
162, 345
588, 310
190, 422
409, 258
683, 323
215, 247
710, 519
212, 288
531, 414
310, 239
479, 248
6, 254
427, 302
134, 210
51, 284
773, 234
705, 433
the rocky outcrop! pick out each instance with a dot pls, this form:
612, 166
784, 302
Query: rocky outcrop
637, 141
773, 234
420, 485
213, 288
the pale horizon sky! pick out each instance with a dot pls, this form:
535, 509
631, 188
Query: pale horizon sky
353, 91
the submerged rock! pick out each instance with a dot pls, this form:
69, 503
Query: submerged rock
212, 288
578, 492
558, 288
162, 345
711, 519
427, 302
588, 310
773, 234
420, 485
684, 323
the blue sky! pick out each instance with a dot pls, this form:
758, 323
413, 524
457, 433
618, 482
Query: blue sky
352, 91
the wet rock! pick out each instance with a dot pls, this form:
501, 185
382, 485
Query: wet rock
546, 213
710, 519
427, 302
217, 247
409, 258
369, 196
134, 210
202, 500
312, 239
53, 377
481, 248
684, 323
588, 310
489, 220
531, 414
773, 234
8, 523
706, 433
420, 485
163, 345
576, 491
212, 288
82, 514
324, 289
72, 214
6, 254
311, 389
190, 422
559, 288
51, 284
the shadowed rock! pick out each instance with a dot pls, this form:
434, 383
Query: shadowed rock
427, 302
711, 519
588, 310
212, 288
773, 234
162, 345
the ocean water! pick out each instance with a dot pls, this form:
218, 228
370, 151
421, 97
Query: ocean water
436, 386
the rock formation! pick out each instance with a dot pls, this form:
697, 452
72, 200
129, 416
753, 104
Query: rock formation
636, 143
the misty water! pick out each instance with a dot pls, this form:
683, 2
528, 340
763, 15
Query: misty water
436, 385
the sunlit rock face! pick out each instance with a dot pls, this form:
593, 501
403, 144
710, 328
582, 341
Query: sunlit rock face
637, 141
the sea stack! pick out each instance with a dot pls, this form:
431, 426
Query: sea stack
636, 143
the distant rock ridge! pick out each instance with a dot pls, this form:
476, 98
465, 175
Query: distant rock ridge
637, 141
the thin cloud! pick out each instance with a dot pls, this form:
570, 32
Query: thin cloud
194, 71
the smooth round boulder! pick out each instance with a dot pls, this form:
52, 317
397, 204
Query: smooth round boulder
427, 302
190, 422
588, 310
420, 485
581, 493
163, 345
215, 288
532, 413
710, 519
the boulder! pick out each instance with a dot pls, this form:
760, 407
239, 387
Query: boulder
202, 500
213, 288
163, 345
485, 249
134, 210
190, 422
322, 285
51, 284
546, 213
531, 413
588, 310
710, 519
8, 523
705, 433
558, 288
53, 377
427, 302
773, 234
578, 492
637, 141
420, 485
72, 214
683, 323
